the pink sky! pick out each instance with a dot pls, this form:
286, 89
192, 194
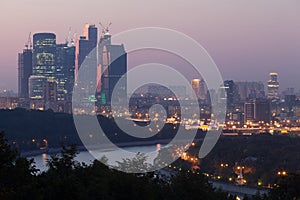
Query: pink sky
247, 39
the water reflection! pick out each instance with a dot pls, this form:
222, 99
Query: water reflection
86, 157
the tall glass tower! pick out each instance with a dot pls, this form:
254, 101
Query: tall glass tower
24, 72
65, 69
273, 86
44, 59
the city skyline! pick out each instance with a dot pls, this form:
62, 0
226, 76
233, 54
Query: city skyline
253, 48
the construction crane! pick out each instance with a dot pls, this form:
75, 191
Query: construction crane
105, 29
68, 40
28, 45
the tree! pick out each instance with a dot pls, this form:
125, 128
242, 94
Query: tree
288, 188
16, 173
188, 185
138, 164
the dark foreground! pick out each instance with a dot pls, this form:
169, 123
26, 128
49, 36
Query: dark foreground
68, 179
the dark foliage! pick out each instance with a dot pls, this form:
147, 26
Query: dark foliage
69, 179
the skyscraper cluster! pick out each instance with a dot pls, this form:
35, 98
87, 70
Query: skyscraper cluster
48, 70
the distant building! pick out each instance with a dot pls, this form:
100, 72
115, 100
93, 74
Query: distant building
196, 86
37, 87
273, 86
262, 110
160, 91
8, 102
232, 97
85, 44
86, 56
202, 90
44, 55
114, 67
24, 72
179, 90
65, 71
250, 90
257, 110
249, 111
289, 91
51, 91
232, 92
37, 91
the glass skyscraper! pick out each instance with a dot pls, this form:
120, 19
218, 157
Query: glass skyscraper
65, 69
44, 55
273, 86
24, 72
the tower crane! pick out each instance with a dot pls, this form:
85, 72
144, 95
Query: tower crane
28, 45
105, 29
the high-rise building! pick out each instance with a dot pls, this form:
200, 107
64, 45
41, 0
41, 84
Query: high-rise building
44, 55
249, 111
37, 87
65, 71
195, 86
86, 55
273, 86
250, 90
232, 92
113, 68
85, 44
257, 110
262, 110
202, 90
51, 91
24, 72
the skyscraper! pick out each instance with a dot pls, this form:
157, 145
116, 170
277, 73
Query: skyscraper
44, 55
65, 71
195, 86
250, 90
85, 44
37, 91
202, 90
114, 67
249, 111
86, 57
232, 92
24, 72
257, 110
273, 86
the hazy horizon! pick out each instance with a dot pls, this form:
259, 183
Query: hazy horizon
247, 40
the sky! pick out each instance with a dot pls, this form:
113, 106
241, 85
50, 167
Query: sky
246, 39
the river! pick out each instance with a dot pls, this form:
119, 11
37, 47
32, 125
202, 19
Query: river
112, 155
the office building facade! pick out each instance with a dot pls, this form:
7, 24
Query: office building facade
24, 72
273, 86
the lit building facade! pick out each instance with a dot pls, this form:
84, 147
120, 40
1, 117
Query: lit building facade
202, 90
257, 111
65, 71
37, 91
273, 86
195, 86
44, 55
37, 87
